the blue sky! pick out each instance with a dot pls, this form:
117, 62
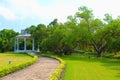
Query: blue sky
20, 14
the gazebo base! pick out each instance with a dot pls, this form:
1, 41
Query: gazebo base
28, 51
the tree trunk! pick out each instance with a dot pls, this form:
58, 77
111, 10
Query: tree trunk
99, 52
115, 53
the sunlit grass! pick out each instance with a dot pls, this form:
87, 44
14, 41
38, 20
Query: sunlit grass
83, 68
14, 58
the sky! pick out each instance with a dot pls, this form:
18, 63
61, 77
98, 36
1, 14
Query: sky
20, 14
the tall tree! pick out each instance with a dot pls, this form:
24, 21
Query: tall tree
108, 18
39, 34
7, 40
31, 29
92, 25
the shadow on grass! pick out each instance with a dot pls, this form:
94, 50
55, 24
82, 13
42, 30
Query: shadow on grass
118, 75
110, 63
82, 58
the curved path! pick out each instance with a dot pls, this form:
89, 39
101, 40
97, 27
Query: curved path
41, 70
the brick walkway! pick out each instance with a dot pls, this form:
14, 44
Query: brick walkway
41, 70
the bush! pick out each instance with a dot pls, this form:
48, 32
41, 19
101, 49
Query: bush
14, 67
56, 75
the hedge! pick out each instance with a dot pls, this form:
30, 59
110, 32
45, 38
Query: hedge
57, 74
15, 67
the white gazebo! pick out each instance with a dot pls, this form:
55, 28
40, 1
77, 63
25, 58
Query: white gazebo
24, 35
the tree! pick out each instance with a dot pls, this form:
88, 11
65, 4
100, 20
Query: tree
108, 18
53, 42
113, 37
31, 29
81, 31
7, 40
53, 23
104, 38
114, 46
39, 34
93, 27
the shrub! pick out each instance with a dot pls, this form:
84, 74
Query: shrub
14, 67
79, 51
56, 75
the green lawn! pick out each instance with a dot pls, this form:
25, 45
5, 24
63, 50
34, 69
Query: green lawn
13, 57
81, 68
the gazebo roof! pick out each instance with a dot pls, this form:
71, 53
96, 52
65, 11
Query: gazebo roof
23, 34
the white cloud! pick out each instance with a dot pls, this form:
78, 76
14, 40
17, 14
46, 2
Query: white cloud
6, 13
60, 9
101, 7
24, 13
24, 8
32, 9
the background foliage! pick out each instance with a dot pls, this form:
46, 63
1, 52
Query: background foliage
81, 31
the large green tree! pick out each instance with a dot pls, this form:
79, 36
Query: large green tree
93, 28
7, 37
39, 34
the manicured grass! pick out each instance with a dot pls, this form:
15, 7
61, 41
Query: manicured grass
15, 58
83, 68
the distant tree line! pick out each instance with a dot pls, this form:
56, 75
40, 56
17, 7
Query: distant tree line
80, 32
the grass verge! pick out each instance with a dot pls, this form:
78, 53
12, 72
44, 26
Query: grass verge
12, 62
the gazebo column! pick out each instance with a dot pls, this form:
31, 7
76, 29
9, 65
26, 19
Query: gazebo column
33, 44
24, 44
17, 43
